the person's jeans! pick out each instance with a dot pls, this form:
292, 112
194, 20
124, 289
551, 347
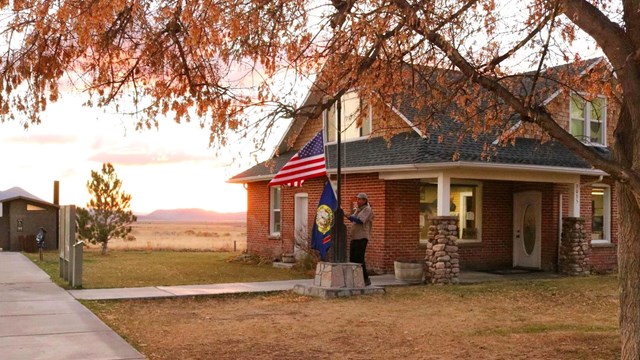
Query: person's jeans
356, 255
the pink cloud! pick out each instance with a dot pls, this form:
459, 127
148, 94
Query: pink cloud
147, 158
44, 139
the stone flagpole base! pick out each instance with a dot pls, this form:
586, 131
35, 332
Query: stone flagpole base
335, 280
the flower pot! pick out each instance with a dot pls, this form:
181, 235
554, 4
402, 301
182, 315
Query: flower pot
409, 271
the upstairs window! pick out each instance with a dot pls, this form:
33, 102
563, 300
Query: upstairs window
588, 119
274, 211
351, 107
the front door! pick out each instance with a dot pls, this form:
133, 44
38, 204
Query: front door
301, 235
527, 207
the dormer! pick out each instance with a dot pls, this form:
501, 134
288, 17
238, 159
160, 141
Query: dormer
588, 119
351, 107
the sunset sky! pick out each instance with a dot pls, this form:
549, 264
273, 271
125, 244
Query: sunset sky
169, 168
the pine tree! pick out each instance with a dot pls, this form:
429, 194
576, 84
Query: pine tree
107, 215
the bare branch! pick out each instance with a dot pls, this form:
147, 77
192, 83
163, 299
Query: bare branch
537, 115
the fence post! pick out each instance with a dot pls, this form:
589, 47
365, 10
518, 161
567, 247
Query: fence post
67, 237
76, 265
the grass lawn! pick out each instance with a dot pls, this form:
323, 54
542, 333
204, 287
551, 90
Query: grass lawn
565, 318
162, 268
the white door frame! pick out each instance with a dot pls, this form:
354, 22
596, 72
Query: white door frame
300, 223
523, 202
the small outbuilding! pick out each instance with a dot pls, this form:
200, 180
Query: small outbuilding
21, 217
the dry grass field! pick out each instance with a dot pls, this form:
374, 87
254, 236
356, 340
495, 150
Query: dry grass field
567, 318
160, 235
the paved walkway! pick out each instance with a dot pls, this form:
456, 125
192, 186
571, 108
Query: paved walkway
40, 320
212, 289
466, 277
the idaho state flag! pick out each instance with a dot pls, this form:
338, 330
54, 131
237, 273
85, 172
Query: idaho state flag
321, 234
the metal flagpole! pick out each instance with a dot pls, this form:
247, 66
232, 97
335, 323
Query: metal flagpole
341, 247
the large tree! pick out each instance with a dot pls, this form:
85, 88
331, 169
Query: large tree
107, 215
214, 59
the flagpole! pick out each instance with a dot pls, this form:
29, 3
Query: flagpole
339, 126
341, 248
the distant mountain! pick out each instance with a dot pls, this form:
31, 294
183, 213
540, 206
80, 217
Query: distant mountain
186, 215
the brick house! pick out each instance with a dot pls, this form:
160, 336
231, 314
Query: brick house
508, 209
21, 216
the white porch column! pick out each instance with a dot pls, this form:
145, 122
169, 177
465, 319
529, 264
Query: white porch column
444, 191
574, 200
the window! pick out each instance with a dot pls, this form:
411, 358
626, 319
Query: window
31, 207
351, 106
464, 203
600, 214
588, 119
274, 211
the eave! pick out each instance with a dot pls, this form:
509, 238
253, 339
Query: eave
461, 169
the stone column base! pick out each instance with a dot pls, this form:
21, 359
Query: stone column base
339, 275
574, 249
442, 261
337, 280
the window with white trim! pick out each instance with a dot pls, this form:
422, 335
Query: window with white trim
274, 211
600, 214
465, 203
588, 119
351, 107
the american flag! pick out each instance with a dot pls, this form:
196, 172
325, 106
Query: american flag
305, 164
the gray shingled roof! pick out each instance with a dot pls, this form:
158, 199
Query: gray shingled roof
411, 148
16, 193
265, 168
408, 149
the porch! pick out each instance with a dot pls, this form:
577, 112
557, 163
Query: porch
504, 219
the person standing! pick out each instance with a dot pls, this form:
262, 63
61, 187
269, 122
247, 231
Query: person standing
362, 220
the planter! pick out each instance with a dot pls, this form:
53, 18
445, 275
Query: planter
409, 271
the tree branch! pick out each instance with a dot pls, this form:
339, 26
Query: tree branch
609, 35
537, 115
499, 59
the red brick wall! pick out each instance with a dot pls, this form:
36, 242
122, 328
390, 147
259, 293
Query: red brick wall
258, 240
395, 231
496, 249
402, 221
313, 188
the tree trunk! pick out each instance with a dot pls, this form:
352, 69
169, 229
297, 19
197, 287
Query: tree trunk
629, 272
626, 148
104, 248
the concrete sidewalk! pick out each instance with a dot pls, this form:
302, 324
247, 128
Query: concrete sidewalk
210, 289
152, 292
40, 320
